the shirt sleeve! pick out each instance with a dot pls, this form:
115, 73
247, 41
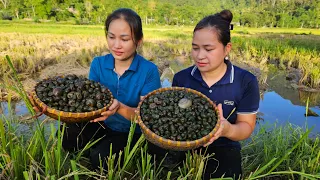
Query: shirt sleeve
249, 104
152, 81
93, 72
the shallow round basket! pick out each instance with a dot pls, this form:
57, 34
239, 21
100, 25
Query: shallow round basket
170, 144
69, 117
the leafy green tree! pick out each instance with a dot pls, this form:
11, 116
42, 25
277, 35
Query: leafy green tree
249, 20
5, 3
16, 8
33, 5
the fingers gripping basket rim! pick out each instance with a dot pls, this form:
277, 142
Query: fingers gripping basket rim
69, 117
170, 144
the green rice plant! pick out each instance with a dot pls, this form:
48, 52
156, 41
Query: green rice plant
284, 149
17, 86
74, 168
315, 75
147, 168
121, 165
38, 156
194, 165
13, 158
290, 54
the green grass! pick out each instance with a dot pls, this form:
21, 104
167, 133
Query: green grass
277, 30
282, 152
153, 32
288, 147
50, 28
69, 28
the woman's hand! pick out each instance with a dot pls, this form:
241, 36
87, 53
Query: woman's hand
224, 127
111, 111
33, 104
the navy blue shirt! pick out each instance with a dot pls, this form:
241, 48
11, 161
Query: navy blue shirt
238, 89
141, 78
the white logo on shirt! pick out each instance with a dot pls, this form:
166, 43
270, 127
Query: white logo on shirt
230, 103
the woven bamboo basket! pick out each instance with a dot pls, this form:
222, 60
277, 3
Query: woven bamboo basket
170, 144
69, 117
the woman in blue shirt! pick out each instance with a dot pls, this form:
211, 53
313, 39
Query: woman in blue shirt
235, 90
129, 77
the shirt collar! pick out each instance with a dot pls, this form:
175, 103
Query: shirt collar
226, 79
133, 67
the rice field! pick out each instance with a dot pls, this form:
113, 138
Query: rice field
288, 152
34, 46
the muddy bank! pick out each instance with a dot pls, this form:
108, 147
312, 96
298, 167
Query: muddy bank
294, 76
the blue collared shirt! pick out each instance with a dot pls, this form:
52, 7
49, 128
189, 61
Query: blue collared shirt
141, 78
238, 89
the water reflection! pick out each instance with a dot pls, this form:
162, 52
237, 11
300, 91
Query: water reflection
18, 115
285, 89
277, 109
166, 83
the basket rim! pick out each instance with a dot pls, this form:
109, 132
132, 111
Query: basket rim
199, 142
49, 109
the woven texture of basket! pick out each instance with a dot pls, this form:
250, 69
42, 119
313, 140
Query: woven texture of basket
69, 117
170, 144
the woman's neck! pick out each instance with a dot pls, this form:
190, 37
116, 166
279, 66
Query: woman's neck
211, 77
121, 66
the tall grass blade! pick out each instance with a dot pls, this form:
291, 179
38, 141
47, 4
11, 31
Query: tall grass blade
200, 170
169, 175
74, 169
307, 107
305, 135
260, 170
26, 175
23, 94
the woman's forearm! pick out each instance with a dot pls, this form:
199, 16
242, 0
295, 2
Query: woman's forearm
126, 111
239, 131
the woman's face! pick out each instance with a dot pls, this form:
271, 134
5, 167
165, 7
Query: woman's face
207, 52
120, 40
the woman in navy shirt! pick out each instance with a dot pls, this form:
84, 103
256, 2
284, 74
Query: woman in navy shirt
235, 91
129, 77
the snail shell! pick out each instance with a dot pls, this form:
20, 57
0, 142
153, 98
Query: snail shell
185, 103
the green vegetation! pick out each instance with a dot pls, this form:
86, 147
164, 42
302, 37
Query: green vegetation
288, 146
284, 152
251, 13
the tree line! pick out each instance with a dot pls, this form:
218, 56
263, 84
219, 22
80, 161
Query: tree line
251, 13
